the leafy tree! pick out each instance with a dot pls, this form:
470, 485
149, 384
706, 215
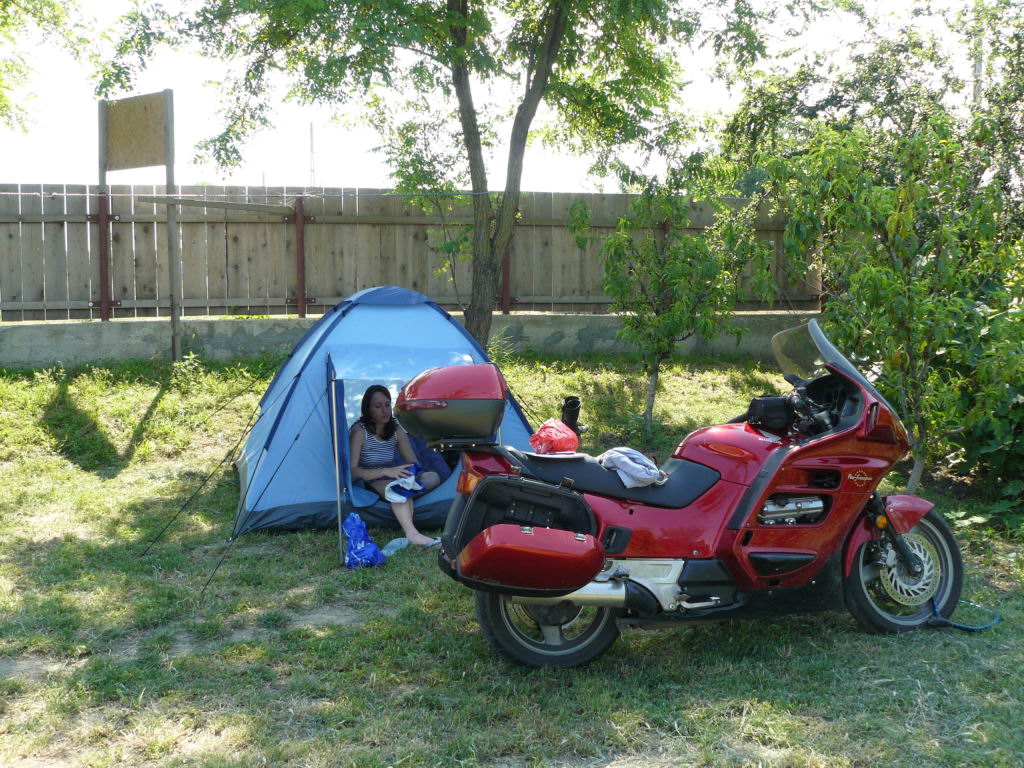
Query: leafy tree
992, 443
905, 181
605, 70
54, 20
669, 281
908, 245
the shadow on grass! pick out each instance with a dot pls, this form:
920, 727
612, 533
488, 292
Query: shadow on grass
83, 441
78, 436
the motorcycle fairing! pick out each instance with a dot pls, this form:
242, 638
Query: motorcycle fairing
659, 532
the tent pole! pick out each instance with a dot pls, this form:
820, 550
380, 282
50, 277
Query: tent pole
337, 470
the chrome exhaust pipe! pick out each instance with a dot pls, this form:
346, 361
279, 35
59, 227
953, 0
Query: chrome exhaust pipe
609, 594
605, 594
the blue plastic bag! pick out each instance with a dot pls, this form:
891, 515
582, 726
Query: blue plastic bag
360, 551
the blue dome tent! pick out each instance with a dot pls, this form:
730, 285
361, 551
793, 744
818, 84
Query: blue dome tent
294, 467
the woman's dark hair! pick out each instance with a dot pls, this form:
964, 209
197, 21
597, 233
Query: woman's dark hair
367, 419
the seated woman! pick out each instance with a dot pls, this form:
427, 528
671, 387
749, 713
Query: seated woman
372, 443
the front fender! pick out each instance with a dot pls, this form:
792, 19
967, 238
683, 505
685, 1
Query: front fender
863, 531
903, 512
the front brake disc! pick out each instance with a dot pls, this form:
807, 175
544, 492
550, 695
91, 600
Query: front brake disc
911, 589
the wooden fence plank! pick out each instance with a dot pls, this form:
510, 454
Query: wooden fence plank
55, 257
603, 209
345, 244
144, 247
323, 247
459, 286
522, 267
32, 275
216, 249
368, 245
543, 263
319, 264
122, 256
411, 252
10, 253
162, 265
568, 259
77, 239
194, 268
434, 273
289, 266
279, 256
239, 238
262, 248
387, 265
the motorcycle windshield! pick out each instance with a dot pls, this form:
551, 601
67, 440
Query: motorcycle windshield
805, 352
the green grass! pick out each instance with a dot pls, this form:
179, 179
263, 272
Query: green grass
112, 659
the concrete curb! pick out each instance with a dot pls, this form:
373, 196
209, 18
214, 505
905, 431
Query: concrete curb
76, 342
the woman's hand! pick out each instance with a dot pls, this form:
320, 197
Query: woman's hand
396, 473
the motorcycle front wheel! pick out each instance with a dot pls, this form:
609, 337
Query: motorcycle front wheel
563, 635
885, 597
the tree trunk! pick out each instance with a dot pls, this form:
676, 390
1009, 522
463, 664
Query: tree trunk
915, 474
917, 451
478, 312
485, 263
490, 248
652, 388
486, 272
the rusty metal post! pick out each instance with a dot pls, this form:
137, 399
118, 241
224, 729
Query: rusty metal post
103, 210
300, 255
103, 222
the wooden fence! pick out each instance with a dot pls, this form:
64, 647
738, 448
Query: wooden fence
244, 262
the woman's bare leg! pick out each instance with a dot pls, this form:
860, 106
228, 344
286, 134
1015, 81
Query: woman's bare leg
403, 510
429, 480
403, 514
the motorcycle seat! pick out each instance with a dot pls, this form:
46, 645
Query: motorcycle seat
687, 480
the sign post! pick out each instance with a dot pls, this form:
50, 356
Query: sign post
138, 132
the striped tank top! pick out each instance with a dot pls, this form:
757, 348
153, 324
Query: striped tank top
377, 453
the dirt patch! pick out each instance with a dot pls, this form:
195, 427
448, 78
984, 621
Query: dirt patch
33, 667
34, 762
183, 642
315, 618
325, 615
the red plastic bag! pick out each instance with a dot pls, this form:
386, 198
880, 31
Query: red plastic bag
554, 436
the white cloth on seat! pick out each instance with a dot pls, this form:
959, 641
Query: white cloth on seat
402, 489
633, 468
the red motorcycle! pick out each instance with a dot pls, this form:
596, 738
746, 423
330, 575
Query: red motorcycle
774, 512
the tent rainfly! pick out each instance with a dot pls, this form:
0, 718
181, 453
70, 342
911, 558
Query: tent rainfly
294, 467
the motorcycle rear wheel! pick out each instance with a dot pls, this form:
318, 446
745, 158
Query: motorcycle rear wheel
885, 599
563, 635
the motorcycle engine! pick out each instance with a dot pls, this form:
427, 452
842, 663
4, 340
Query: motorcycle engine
791, 510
